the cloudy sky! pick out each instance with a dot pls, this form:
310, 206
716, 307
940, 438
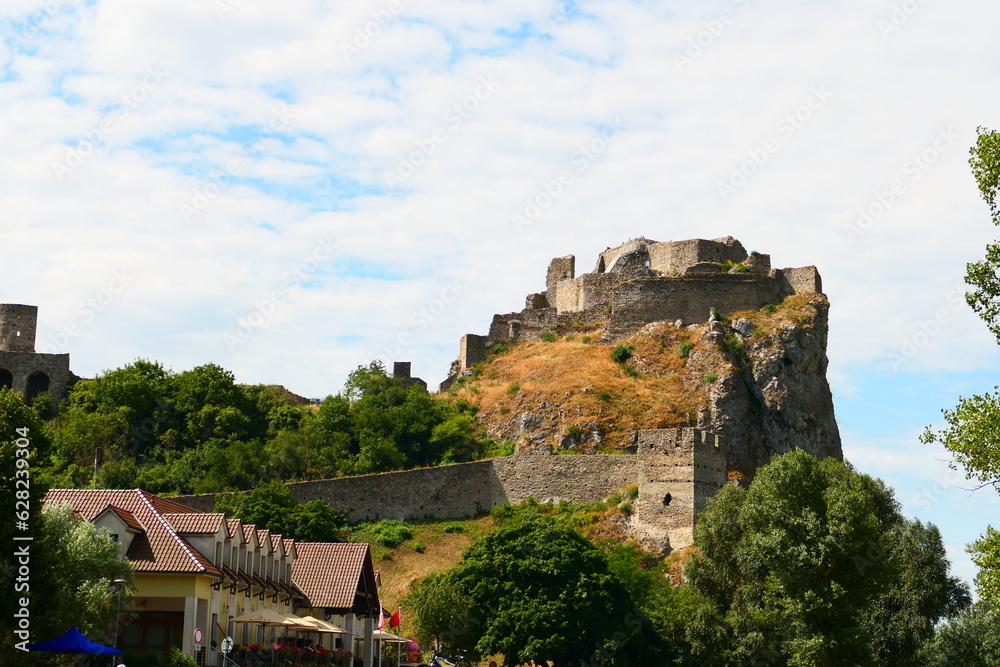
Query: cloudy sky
293, 189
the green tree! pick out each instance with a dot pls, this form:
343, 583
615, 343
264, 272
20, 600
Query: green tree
82, 564
970, 640
271, 506
798, 567
536, 591
972, 433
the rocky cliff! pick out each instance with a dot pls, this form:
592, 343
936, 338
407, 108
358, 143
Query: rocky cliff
757, 378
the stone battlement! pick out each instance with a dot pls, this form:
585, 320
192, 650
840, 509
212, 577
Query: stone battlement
676, 470
643, 281
21, 368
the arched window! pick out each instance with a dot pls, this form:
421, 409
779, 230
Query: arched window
37, 382
6, 378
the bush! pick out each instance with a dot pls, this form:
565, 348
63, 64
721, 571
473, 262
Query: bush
390, 533
632, 491
452, 527
585, 339
710, 378
418, 546
631, 371
177, 659
548, 336
604, 396
514, 388
769, 308
573, 431
499, 349
685, 349
625, 507
622, 353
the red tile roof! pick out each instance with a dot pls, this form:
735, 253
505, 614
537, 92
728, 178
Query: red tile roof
190, 523
235, 529
336, 575
159, 548
127, 517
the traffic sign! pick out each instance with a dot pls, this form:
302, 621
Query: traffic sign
197, 636
227, 645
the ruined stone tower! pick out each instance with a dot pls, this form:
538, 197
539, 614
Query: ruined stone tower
21, 368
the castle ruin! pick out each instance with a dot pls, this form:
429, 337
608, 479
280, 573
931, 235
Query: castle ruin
21, 368
639, 282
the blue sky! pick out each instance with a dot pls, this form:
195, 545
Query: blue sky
293, 189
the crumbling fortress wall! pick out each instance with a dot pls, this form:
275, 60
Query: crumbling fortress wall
771, 397
676, 471
639, 282
21, 368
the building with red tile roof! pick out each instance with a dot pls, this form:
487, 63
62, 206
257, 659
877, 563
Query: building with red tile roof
202, 570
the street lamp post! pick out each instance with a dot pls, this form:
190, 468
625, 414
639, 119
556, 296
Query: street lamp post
120, 583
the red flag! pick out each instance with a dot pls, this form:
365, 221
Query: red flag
395, 620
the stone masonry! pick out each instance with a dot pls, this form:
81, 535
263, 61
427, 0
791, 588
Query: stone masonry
21, 368
639, 282
676, 470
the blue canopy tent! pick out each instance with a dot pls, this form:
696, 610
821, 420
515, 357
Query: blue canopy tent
73, 641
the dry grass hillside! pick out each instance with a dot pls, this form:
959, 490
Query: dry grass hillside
570, 391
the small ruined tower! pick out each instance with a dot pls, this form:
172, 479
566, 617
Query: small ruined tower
21, 368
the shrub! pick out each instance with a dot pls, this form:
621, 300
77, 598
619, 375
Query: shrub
548, 336
625, 507
632, 491
514, 388
573, 431
631, 371
452, 527
585, 339
499, 349
604, 396
769, 308
177, 659
570, 338
614, 498
685, 349
710, 378
418, 546
390, 533
622, 353
503, 410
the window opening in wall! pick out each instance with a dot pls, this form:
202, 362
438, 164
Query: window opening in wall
666, 499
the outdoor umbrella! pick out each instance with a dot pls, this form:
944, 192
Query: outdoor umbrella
262, 617
73, 641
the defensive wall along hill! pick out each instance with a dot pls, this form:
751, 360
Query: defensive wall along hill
769, 395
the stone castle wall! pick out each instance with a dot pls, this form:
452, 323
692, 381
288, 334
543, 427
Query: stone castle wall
685, 463
21, 368
639, 282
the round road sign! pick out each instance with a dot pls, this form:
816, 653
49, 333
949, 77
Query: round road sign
227, 644
197, 636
